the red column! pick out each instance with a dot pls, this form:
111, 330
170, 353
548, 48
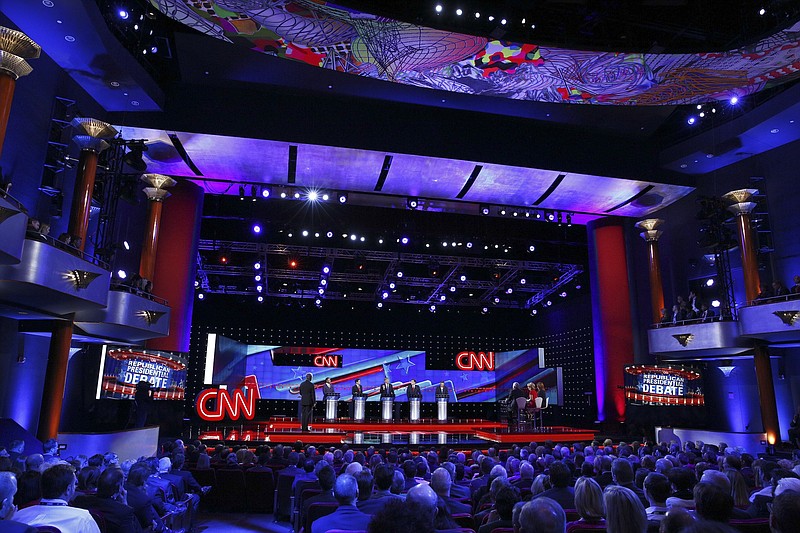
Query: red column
741, 206
55, 378
147, 263
651, 234
766, 394
611, 315
7, 85
82, 196
176, 266
16, 47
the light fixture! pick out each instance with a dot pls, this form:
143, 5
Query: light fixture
459, 12
259, 288
534, 312
432, 308
477, 15
502, 211
691, 120
469, 245
392, 285
531, 248
412, 203
491, 18
452, 288
342, 198
257, 265
379, 305
399, 273
484, 209
305, 233
734, 100
200, 296
265, 192
715, 303
297, 196
325, 197
404, 240
463, 277
260, 299
709, 282
122, 274
438, 8
126, 245
326, 269
329, 235
313, 196
258, 277
385, 295
256, 228
523, 281
123, 14
563, 294
442, 297
503, 22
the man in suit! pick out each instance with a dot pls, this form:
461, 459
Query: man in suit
441, 390
561, 492
413, 390
383, 483
441, 483
111, 501
327, 388
143, 504
327, 478
347, 515
307, 401
387, 391
357, 392
8, 487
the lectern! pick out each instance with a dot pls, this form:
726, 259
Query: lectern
332, 406
387, 406
441, 407
414, 405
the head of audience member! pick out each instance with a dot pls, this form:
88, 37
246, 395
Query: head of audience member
59, 482
164, 465
657, 489
441, 482
559, 475
87, 478
50, 447
353, 469
504, 501
621, 472
542, 515
589, 499
540, 484
784, 512
422, 500
526, 470
515, 514
110, 483
398, 517
383, 477
327, 478
34, 461
138, 475
624, 511
29, 487
345, 489
365, 482
8, 488
676, 519
398, 482
712, 502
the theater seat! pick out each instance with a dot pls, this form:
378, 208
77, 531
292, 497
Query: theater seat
464, 520
502, 530
318, 510
283, 497
231, 492
572, 515
99, 519
752, 525
260, 491
586, 527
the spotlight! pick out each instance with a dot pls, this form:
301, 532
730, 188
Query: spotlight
433, 269
196, 283
260, 299
201, 296
392, 285
404, 240
353, 237
477, 15
523, 281
297, 196
715, 303
122, 274
342, 198
550, 216
485, 210
241, 190
258, 277
432, 308
734, 100
265, 192
569, 219
491, 18
123, 14
293, 263
509, 290
503, 22
326, 269
538, 215
452, 288
256, 228
283, 195
313, 196
323, 282
463, 277
399, 273
549, 303
534, 312
469, 245
502, 211
380, 241
709, 282
496, 299
563, 294
438, 8
318, 302
305, 233
257, 265
379, 305
321, 291
325, 197
223, 258
531, 248
384, 295
329, 235
412, 203
691, 120
444, 243
515, 213
459, 12
259, 288
126, 245
762, 11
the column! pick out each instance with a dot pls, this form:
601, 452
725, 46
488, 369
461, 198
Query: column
741, 206
651, 234
177, 264
91, 141
766, 393
55, 378
156, 194
611, 314
15, 48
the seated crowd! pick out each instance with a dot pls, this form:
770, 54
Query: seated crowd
778, 290
540, 488
687, 310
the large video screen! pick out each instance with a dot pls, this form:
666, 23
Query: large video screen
663, 385
122, 368
469, 376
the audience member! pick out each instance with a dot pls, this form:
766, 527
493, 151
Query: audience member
347, 515
624, 511
589, 500
675, 521
505, 500
542, 515
657, 489
561, 492
112, 502
8, 488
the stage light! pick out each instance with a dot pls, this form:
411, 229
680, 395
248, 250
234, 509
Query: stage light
491, 18
691, 120
122, 274
313, 196
293, 263
523, 21
259, 288
534, 312
392, 285
496, 299
256, 228
399, 273
444, 243
563, 294
699, 107
503, 22
463, 277
316, 234
527, 214
509, 290
321, 291
734, 100
403, 240
762, 11
258, 277
412, 203
290, 234
433, 269
123, 14
485, 210
353, 237
459, 12
200, 296
452, 288
196, 283
323, 282
318, 302
538, 215
257, 265
329, 235
126, 245
709, 282
305, 233
342, 198
569, 219
283, 195
265, 192
523, 281
326, 269
223, 258
362, 239
380, 241
432, 308
384, 295
551, 216
325, 197
442, 297
502, 212
549, 303
379, 305
297, 196
484, 310
702, 114
260, 299
531, 248
477, 15
439, 8
715, 303
469, 245
453, 244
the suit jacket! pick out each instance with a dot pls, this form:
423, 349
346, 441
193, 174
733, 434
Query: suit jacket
487, 528
143, 507
441, 391
9, 526
344, 517
327, 389
178, 485
387, 390
413, 392
376, 503
307, 393
565, 496
324, 497
456, 507
190, 483
357, 391
459, 491
119, 518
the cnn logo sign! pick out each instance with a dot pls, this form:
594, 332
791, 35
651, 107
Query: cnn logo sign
326, 361
215, 405
475, 361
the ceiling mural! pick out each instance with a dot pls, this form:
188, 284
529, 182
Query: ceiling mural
329, 36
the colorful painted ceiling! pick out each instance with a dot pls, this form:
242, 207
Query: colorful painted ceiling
333, 37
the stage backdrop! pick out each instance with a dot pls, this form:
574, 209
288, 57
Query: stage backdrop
468, 376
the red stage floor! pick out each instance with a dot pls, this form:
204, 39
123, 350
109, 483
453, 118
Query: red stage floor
472, 432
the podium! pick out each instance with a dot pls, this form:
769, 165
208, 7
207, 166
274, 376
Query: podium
414, 407
387, 406
332, 406
441, 408
359, 408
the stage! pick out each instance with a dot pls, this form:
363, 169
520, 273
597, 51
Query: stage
467, 432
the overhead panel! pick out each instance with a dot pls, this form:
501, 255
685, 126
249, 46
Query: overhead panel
429, 177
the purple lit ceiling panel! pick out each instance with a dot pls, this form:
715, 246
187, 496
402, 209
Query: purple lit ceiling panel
510, 185
366, 45
161, 156
430, 177
237, 158
329, 167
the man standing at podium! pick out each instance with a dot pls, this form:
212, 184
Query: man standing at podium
413, 390
387, 391
307, 401
441, 390
327, 389
356, 392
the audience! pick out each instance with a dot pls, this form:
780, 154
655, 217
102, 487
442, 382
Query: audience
347, 515
8, 487
542, 515
624, 511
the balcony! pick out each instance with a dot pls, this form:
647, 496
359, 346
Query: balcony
54, 278
131, 316
691, 339
772, 319
12, 229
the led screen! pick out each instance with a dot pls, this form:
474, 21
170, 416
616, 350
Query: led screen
468, 376
123, 368
663, 385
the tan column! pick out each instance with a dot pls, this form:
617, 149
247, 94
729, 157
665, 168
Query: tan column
651, 234
156, 194
766, 394
15, 48
742, 207
55, 378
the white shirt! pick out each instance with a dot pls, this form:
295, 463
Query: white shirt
58, 514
